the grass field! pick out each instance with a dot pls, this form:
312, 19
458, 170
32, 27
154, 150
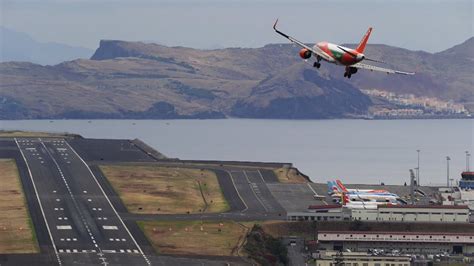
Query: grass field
166, 190
17, 234
196, 237
290, 176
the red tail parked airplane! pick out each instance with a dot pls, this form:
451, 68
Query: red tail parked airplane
340, 55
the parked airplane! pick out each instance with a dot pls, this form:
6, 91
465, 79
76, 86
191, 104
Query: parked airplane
340, 55
343, 188
361, 198
357, 201
338, 187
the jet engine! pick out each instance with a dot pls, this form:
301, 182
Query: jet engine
305, 53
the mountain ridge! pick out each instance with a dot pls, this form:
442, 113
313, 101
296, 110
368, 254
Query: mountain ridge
140, 80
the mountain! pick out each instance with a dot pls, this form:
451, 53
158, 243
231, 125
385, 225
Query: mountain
17, 46
139, 80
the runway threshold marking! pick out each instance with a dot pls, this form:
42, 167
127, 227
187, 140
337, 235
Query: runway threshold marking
110, 227
39, 202
110, 203
86, 225
63, 227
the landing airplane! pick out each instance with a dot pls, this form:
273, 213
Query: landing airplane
340, 55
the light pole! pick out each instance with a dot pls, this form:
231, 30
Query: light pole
467, 161
418, 169
447, 170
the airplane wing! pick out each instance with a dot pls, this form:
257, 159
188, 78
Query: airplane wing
319, 52
381, 69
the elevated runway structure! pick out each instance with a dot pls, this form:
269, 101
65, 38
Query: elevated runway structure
82, 224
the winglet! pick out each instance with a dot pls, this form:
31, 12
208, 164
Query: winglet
279, 32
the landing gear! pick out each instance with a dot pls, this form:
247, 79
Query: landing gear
317, 65
349, 72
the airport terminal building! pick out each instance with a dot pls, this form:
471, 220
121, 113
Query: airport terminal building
414, 213
405, 242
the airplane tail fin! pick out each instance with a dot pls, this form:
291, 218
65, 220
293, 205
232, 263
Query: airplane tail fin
330, 187
345, 198
361, 47
341, 186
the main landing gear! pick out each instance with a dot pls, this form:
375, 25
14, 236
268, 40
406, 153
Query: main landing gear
317, 64
349, 72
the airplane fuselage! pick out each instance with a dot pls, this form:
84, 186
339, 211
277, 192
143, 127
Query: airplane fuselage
340, 55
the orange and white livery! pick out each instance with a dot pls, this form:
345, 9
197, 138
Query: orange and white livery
340, 55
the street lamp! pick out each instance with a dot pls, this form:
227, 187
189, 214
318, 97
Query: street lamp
467, 161
418, 169
447, 170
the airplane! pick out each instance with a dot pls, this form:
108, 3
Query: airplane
336, 187
343, 188
356, 201
340, 55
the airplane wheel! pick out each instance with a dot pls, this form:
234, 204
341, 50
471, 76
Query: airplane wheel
345, 74
349, 76
317, 65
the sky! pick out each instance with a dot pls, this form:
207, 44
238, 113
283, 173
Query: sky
431, 25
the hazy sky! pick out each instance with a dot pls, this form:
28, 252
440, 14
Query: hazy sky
417, 25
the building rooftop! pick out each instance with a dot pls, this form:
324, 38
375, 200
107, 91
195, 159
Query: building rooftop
395, 233
322, 207
426, 206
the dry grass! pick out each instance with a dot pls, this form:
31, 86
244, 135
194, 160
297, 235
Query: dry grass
27, 134
196, 237
16, 231
166, 190
289, 176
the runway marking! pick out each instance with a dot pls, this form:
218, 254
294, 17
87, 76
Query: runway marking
63, 227
39, 201
261, 176
69, 191
110, 203
241, 199
110, 227
258, 198
109, 251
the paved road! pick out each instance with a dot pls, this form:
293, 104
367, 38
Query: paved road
82, 224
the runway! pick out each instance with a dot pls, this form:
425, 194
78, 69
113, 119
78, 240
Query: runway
79, 218
82, 224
